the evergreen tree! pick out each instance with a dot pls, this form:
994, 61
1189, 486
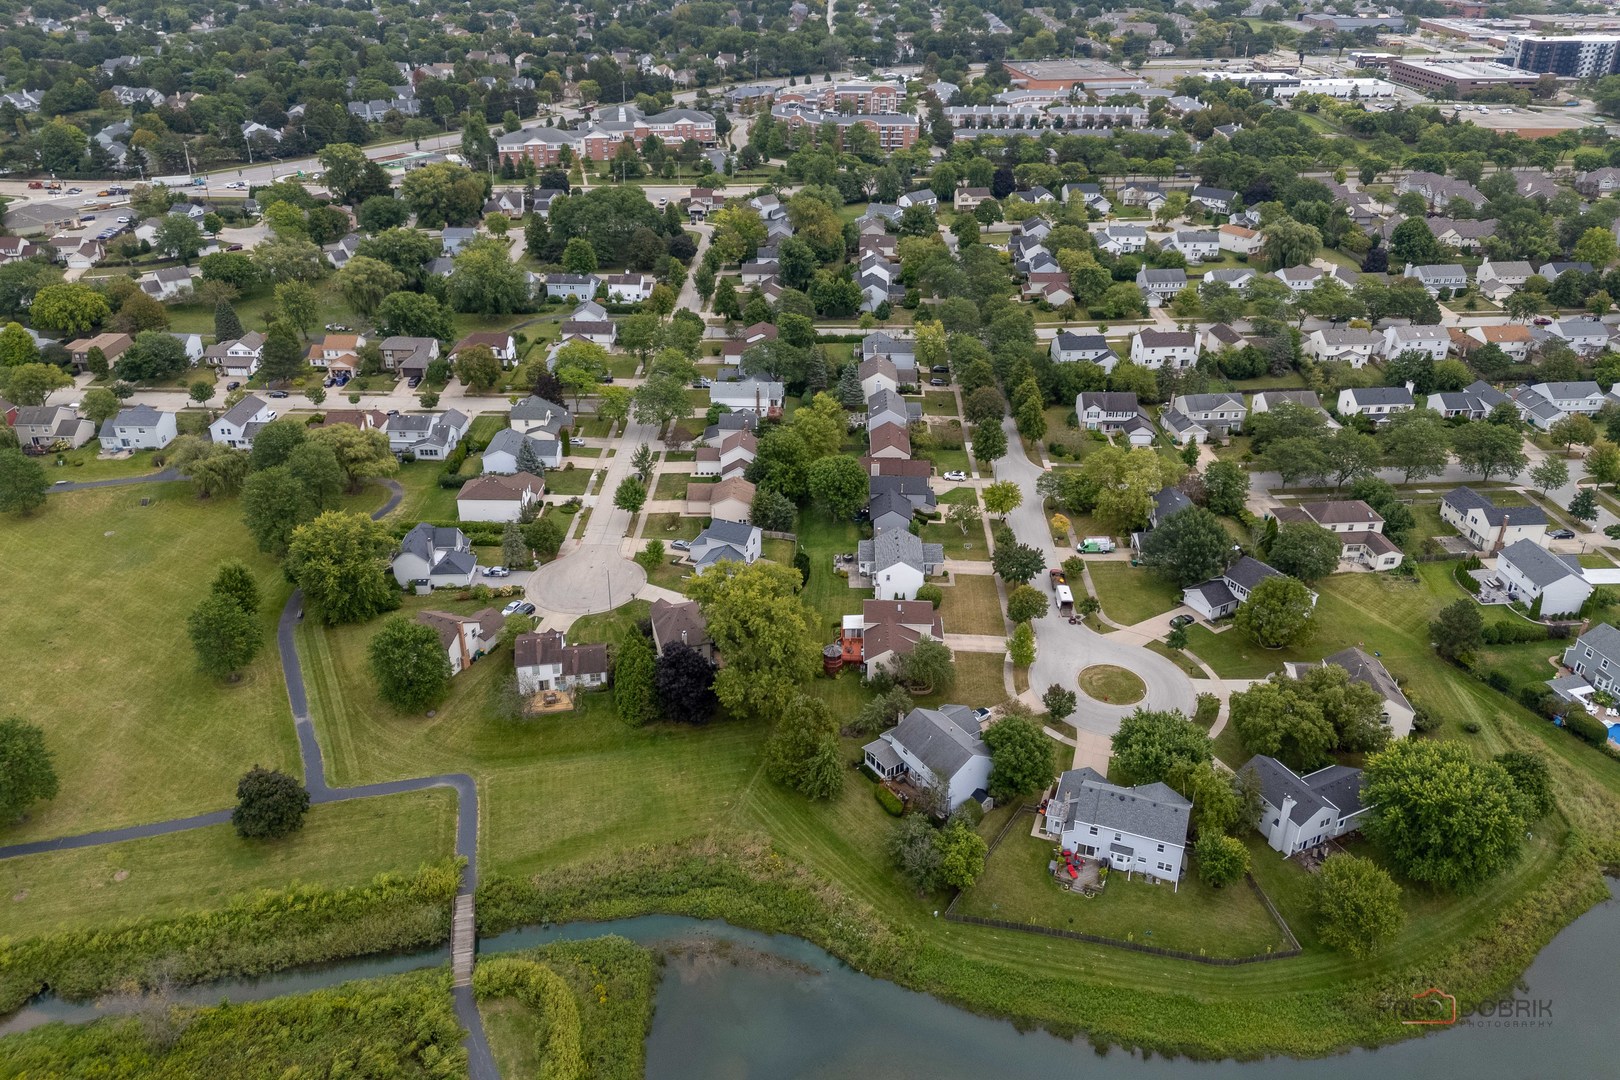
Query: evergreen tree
633, 696
528, 460
849, 389
227, 326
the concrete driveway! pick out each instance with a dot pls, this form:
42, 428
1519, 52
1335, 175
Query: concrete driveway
1064, 649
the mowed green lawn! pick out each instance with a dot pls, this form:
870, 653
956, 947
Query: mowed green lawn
550, 789
1194, 918
340, 844
972, 606
1129, 593
97, 591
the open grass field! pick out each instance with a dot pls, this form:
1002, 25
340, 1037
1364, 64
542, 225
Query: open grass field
1222, 922
97, 591
566, 481
1106, 682
1130, 594
85, 464
341, 844
958, 545
972, 606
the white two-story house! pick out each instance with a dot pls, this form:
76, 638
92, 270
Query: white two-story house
935, 746
1164, 348
1131, 829
1299, 812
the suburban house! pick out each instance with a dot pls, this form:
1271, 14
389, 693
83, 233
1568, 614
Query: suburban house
1220, 336
1359, 527
680, 624
504, 346
731, 499
1213, 199
1123, 239
887, 407
898, 563
1425, 339
889, 441
465, 638
886, 630
537, 416
112, 346
41, 427
1376, 402
935, 746
139, 427
1266, 400
1159, 286
1299, 812
1110, 412
1584, 335
759, 396
545, 661
878, 373
1369, 671
410, 356
1219, 597
1512, 338
629, 288
238, 358
729, 456
726, 541
427, 435
1544, 404
1239, 240
1529, 572
436, 556
1301, 279
1499, 280
1196, 244
337, 352
1069, 347
237, 427
498, 496
168, 283
1473, 402
1594, 660
1351, 346
505, 450
1218, 414
1162, 348
571, 286
1437, 276
1489, 527
1133, 829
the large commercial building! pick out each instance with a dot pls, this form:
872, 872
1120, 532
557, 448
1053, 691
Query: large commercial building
894, 131
600, 139
855, 96
1077, 73
1457, 78
1579, 56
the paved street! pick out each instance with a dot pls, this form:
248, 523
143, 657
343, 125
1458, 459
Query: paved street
1064, 649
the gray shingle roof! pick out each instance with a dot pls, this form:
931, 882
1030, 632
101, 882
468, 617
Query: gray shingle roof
1338, 786
1538, 564
944, 739
1249, 572
1152, 810
1465, 498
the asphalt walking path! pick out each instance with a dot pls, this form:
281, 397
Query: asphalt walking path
480, 1062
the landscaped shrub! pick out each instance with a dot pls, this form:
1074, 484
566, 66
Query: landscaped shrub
889, 801
1513, 631
1586, 727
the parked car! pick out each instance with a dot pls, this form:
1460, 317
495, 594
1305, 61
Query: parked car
512, 608
525, 608
936, 381
605, 377
681, 545
234, 386
497, 571
123, 221
1181, 620
235, 185
75, 191
35, 185
956, 474
941, 369
981, 715
413, 382
278, 393
1561, 534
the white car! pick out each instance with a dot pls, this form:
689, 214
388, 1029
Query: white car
123, 221
235, 185
956, 474
497, 571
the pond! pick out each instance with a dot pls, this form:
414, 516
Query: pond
736, 1003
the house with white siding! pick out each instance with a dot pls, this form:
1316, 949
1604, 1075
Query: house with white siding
1130, 829
1300, 812
940, 746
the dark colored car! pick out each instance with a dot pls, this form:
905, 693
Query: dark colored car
233, 386
1561, 534
278, 393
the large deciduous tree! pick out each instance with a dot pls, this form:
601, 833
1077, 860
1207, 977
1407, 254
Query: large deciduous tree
838, 484
1151, 745
340, 561
1357, 905
23, 483
408, 664
684, 683
1022, 757
758, 622
1277, 613
1443, 817
225, 636
1305, 550
1188, 547
802, 752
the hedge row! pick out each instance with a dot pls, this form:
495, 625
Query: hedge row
266, 932
538, 988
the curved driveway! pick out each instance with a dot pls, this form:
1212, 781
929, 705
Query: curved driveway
1063, 649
